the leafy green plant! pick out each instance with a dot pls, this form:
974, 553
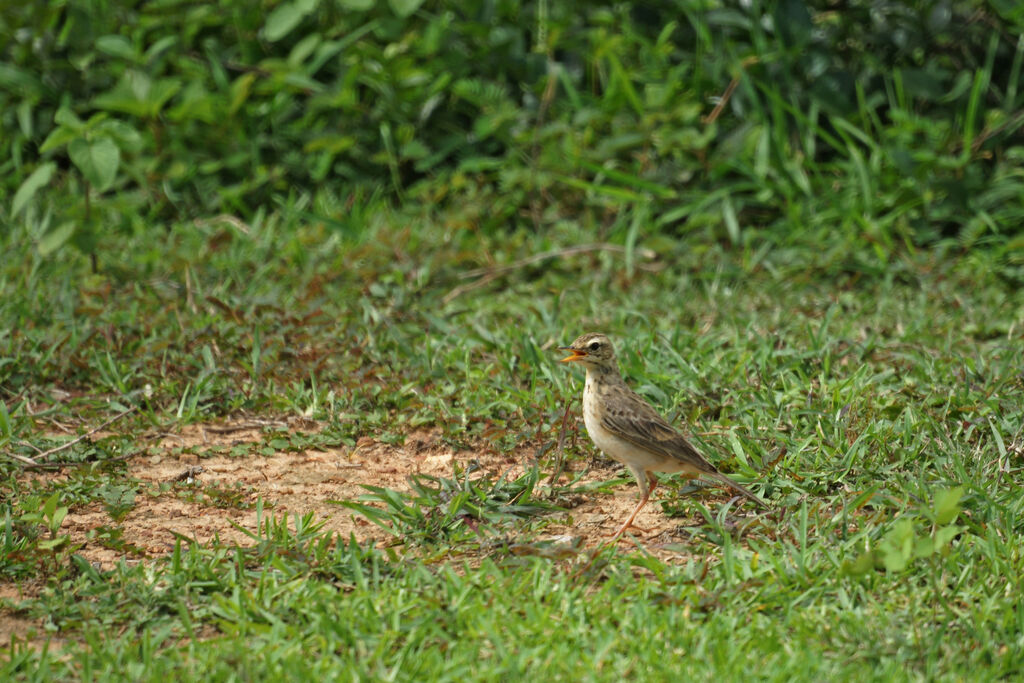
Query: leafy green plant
50, 514
302, 537
6, 426
31, 536
95, 148
682, 119
217, 495
16, 547
438, 509
118, 499
907, 539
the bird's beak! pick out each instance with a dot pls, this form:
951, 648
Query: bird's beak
576, 354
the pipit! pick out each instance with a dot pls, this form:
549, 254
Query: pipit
629, 430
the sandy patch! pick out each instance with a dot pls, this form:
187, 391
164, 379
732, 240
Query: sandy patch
197, 492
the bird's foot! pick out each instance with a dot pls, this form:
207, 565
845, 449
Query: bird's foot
618, 534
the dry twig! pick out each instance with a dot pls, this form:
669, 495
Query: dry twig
28, 461
245, 426
69, 444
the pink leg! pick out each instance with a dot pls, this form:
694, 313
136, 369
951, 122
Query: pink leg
647, 483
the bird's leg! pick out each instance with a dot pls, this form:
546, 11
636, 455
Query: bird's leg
647, 482
629, 522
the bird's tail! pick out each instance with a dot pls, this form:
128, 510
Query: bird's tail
726, 480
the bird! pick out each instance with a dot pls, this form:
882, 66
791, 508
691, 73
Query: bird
627, 429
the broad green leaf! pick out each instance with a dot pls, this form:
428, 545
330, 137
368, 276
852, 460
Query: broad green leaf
286, 17
923, 546
138, 95
356, 5
946, 534
160, 46
303, 49
404, 8
128, 139
6, 432
58, 517
60, 136
50, 506
25, 123
53, 543
894, 559
897, 548
56, 238
196, 103
240, 91
66, 117
97, 160
863, 563
281, 21
116, 46
947, 505
123, 101
39, 178
161, 92
734, 444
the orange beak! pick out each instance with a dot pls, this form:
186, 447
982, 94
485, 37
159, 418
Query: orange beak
576, 354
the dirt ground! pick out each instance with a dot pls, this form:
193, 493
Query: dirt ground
307, 481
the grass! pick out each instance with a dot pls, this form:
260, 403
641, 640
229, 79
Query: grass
893, 384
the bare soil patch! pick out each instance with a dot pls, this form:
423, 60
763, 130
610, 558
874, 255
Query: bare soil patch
217, 497
308, 481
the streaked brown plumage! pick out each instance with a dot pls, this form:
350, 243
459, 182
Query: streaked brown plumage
627, 429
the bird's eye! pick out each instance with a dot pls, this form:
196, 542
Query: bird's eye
594, 346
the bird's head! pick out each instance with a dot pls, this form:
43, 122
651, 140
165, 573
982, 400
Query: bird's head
591, 350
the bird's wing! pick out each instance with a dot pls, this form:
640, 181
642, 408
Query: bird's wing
634, 420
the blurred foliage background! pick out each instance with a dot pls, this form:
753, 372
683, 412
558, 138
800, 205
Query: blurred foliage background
895, 124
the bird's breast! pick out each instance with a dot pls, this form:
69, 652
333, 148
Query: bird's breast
618, 448
612, 446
